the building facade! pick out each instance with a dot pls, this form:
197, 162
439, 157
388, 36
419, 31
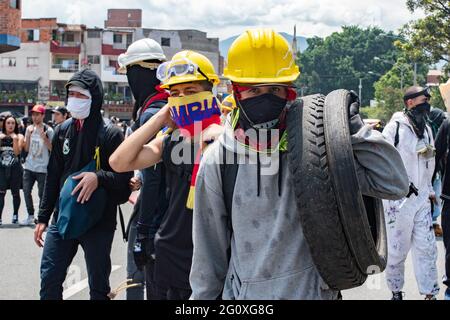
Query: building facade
52, 52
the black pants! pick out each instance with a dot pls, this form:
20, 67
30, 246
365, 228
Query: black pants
29, 178
58, 255
446, 229
169, 293
10, 178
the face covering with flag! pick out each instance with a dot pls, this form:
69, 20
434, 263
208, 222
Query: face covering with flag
193, 114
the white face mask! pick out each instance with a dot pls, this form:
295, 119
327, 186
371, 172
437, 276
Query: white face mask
79, 108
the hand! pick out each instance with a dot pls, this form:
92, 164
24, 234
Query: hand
433, 198
15, 137
42, 133
135, 184
142, 251
210, 134
166, 117
38, 231
87, 185
355, 104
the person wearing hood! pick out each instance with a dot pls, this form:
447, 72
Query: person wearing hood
435, 120
76, 143
409, 220
443, 163
195, 112
140, 63
252, 247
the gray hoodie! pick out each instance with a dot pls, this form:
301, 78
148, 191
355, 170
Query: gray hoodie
270, 259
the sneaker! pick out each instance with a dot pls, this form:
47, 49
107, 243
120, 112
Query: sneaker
430, 297
438, 230
15, 219
28, 221
447, 294
397, 295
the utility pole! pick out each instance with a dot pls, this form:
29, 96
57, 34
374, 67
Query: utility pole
415, 73
360, 89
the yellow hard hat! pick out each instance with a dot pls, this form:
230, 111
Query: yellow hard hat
261, 56
187, 66
229, 103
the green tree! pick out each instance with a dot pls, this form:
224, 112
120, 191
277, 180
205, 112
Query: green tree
343, 58
429, 37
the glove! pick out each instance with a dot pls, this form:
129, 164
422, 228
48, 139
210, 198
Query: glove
355, 121
142, 251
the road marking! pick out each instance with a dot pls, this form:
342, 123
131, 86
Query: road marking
80, 286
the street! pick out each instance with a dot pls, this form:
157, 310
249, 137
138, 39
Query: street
19, 266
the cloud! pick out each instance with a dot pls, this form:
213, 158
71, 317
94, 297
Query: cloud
224, 18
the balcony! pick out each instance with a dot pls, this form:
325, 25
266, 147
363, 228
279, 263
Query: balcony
65, 48
63, 72
110, 74
9, 43
112, 50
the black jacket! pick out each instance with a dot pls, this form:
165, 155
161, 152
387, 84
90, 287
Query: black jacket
73, 149
442, 161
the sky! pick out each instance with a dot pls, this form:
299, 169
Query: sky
226, 18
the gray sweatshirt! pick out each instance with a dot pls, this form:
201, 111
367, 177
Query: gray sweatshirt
270, 259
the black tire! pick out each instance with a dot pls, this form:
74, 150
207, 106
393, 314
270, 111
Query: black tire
315, 197
362, 217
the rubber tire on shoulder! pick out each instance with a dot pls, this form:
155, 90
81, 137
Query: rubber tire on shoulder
362, 217
315, 197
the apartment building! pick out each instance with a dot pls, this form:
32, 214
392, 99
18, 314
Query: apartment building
52, 52
10, 14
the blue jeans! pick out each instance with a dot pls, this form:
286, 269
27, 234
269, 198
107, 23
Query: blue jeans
58, 255
437, 187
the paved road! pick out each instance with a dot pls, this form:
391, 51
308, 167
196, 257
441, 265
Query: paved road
20, 259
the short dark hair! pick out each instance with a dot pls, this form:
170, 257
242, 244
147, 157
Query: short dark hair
16, 128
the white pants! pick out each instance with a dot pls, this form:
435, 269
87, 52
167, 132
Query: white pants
410, 227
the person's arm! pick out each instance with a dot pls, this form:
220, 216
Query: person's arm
441, 145
211, 235
379, 166
28, 133
114, 182
55, 170
134, 153
47, 138
17, 144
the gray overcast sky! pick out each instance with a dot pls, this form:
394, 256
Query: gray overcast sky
225, 18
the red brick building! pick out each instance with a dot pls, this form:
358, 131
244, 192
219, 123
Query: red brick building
10, 15
124, 18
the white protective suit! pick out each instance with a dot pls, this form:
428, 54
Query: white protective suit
409, 221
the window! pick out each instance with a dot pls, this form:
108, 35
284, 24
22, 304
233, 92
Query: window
165, 42
94, 34
32, 62
94, 59
15, 4
8, 62
69, 37
117, 38
33, 35
190, 38
129, 39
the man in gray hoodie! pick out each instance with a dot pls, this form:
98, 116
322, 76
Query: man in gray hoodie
263, 255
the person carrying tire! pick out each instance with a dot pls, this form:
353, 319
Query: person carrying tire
195, 112
140, 64
409, 220
248, 237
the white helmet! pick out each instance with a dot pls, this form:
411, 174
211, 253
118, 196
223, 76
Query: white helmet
141, 50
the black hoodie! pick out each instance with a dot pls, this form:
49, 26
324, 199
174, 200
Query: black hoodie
72, 150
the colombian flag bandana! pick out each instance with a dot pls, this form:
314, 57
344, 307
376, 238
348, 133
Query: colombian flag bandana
193, 114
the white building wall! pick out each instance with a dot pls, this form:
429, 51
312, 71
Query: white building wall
30, 73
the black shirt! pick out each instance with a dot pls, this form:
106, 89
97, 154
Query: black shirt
173, 242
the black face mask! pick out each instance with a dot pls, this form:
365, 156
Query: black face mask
142, 83
261, 112
419, 117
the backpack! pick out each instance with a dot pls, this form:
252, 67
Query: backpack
228, 172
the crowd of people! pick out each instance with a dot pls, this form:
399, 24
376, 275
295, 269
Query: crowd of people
203, 228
